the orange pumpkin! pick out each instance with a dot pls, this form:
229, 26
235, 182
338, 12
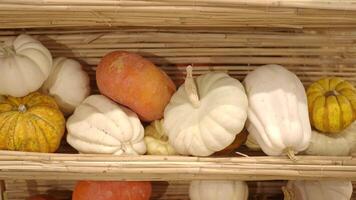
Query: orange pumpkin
239, 140
41, 197
112, 190
135, 82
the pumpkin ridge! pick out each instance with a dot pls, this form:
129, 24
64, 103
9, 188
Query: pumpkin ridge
47, 122
10, 142
40, 131
2, 125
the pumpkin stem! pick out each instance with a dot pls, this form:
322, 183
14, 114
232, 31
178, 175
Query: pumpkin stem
288, 194
22, 108
190, 87
291, 154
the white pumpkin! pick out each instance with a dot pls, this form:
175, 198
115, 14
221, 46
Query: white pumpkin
341, 144
98, 125
205, 118
25, 65
278, 113
218, 190
68, 83
156, 140
318, 190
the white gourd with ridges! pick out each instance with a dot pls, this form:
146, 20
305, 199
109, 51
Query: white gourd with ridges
341, 144
205, 118
99, 125
68, 83
318, 190
218, 190
25, 65
278, 114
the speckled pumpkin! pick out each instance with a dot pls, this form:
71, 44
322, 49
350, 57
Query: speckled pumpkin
31, 123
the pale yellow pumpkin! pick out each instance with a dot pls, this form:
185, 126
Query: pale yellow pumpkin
332, 104
31, 123
156, 140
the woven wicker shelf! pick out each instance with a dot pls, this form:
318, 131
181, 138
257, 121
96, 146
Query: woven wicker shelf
14, 165
312, 38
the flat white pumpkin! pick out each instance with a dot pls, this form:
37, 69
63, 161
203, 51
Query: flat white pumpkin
25, 65
68, 83
218, 190
98, 125
278, 113
318, 190
341, 144
205, 117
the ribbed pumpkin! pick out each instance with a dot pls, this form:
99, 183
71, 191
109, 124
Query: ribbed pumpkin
332, 104
31, 123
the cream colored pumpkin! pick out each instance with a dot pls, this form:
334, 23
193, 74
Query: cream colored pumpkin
318, 190
68, 83
341, 144
278, 112
25, 65
205, 117
252, 144
218, 190
156, 140
98, 125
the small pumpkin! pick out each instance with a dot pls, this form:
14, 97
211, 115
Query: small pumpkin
318, 190
205, 114
112, 190
278, 112
99, 125
25, 65
32, 123
218, 190
156, 140
342, 144
332, 104
135, 82
41, 197
68, 83
252, 144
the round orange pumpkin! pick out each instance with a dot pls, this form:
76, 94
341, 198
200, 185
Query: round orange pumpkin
41, 197
135, 82
112, 190
31, 123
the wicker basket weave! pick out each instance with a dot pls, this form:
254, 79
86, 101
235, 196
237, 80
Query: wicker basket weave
311, 38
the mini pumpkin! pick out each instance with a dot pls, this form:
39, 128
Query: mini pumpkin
135, 82
252, 144
205, 114
25, 65
112, 190
99, 125
68, 83
32, 123
218, 190
342, 144
332, 104
156, 140
318, 190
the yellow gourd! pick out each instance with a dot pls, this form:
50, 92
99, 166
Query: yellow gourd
332, 104
31, 123
156, 140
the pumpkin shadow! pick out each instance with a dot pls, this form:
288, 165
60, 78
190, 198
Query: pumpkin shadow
159, 189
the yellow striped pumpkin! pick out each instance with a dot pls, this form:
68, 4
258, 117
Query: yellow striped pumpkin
31, 123
332, 104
